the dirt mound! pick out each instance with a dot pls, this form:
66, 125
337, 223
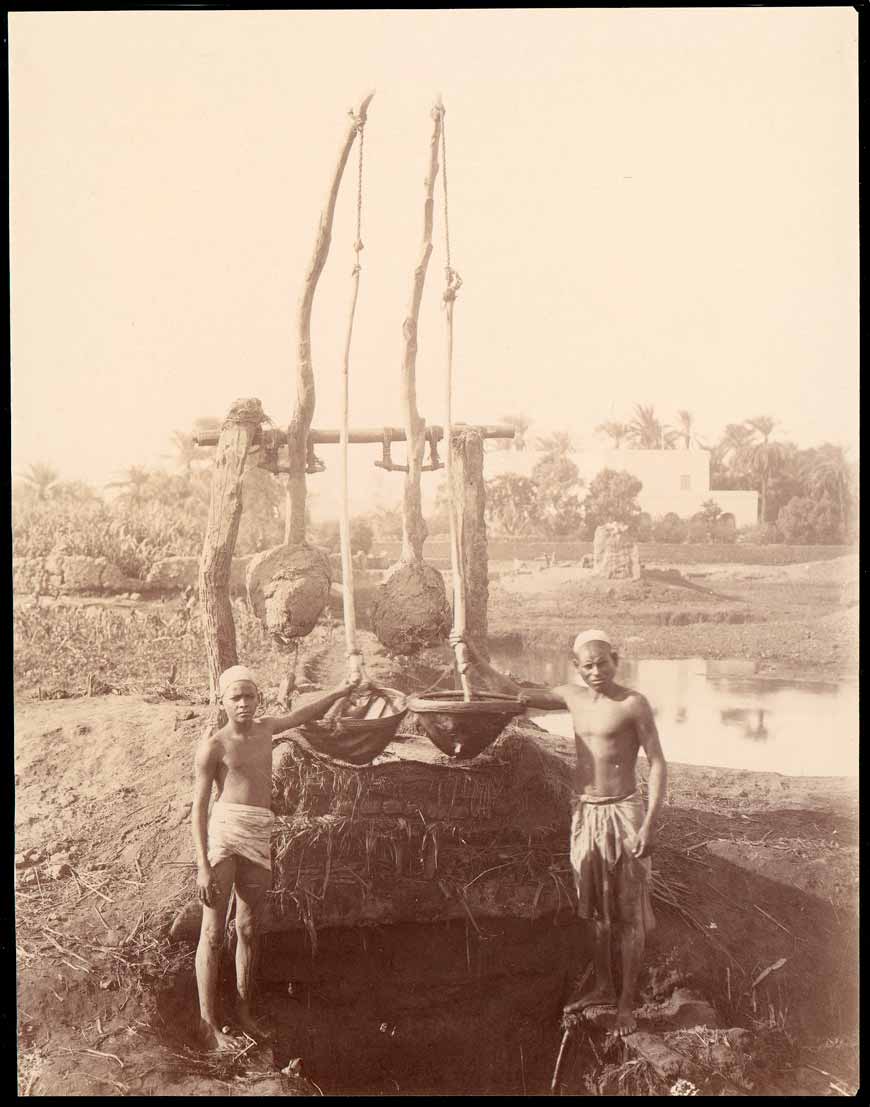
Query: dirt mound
655, 586
410, 609
288, 588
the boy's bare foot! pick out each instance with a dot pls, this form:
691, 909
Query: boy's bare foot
601, 996
625, 1023
246, 1021
215, 1040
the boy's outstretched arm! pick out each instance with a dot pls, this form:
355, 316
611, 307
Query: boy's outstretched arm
314, 710
648, 737
543, 698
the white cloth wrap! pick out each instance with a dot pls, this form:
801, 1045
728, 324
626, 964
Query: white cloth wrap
603, 833
240, 830
235, 673
588, 636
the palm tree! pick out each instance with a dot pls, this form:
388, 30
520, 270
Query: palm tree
75, 490
186, 451
763, 424
556, 445
134, 483
42, 478
682, 431
615, 431
763, 459
733, 444
645, 430
828, 472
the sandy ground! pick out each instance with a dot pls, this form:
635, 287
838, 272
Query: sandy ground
768, 863
103, 850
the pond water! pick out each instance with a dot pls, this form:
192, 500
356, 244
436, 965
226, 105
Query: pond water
719, 713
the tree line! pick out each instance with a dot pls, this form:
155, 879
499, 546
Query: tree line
806, 495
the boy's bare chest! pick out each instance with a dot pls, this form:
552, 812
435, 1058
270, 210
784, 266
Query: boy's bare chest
252, 754
606, 729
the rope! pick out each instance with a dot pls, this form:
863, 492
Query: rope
454, 281
354, 654
453, 284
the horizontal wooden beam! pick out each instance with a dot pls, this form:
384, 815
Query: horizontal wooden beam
365, 435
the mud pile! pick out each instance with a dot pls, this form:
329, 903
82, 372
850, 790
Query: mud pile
288, 588
410, 609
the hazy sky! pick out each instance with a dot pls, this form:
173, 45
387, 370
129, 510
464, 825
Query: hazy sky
645, 206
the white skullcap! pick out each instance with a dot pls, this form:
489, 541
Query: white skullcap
235, 673
587, 636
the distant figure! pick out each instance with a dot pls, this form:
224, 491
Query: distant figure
233, 847
611, 835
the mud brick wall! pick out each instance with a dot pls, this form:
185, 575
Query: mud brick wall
72, 574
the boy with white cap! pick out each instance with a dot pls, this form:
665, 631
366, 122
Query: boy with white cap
233, 846
611, 835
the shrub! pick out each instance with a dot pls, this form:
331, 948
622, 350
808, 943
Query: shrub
761, 534
710, 511
612, 498
670, 529
806, 521
131, 537
362, 537
724, 529
698, 531
513, 505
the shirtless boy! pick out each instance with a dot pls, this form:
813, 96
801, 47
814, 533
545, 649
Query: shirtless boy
232, 848
611, 835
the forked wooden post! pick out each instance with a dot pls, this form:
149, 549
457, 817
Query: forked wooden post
225, 510
413, 524
300, 421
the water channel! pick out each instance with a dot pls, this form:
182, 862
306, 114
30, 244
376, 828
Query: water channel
720, 713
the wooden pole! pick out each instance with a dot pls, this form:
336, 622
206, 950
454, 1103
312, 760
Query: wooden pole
413, 524
468, 495
459, 617
300, 421
331, 436
354, 656
454, 283
225, 509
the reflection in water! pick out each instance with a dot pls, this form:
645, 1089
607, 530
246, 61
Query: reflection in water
717, 713
751, 722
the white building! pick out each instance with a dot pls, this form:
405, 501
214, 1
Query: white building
675, 481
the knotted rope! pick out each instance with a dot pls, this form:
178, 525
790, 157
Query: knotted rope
452, 286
